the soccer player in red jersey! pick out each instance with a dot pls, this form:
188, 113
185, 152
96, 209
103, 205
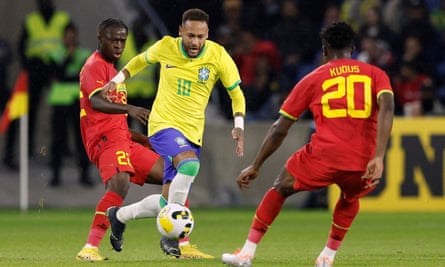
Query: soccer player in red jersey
353, 105
120, 154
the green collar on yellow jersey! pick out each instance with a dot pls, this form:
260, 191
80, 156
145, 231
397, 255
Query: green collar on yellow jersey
185, 53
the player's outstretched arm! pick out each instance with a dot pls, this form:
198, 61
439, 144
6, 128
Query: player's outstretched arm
238, 134
239, 110
273, 140
374, 170
105, 106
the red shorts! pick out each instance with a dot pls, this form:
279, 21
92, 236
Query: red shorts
115, 155
311, 173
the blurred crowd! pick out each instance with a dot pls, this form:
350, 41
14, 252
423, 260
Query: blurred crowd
273, 42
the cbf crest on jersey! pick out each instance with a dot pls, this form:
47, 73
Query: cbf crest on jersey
203, 74
180, 141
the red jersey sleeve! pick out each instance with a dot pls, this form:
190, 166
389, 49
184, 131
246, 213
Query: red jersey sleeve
382, 82
93, 77
298, 99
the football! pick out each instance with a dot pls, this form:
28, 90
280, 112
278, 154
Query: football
175, 221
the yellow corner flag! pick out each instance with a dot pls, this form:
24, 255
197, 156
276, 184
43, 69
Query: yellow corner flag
17, 105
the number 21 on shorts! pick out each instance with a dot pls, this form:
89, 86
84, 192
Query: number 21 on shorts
123, 158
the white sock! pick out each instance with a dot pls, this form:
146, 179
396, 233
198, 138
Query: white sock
327, 252
249, 248
145, 208
179, 188
184, 243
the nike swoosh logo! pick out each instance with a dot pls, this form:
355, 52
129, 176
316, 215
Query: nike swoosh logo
101, 82
169, 66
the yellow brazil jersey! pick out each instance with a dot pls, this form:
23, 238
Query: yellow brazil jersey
186, 84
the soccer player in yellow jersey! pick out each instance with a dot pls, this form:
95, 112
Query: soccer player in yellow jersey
190, 67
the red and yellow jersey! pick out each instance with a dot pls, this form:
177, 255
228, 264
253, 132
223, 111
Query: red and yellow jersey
95, 73
342, 96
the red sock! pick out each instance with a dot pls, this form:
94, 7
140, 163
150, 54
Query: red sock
266, 213
344, 215
100, 221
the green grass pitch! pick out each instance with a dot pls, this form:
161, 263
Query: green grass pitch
49, 237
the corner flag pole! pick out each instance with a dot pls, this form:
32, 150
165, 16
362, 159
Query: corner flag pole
17, 107
24, 166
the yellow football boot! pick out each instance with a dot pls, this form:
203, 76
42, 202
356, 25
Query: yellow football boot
90, 254
189, 251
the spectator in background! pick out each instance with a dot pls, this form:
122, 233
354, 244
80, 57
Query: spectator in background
376, 52
259, 64
63, 97
414, 51
413, 90
373, 26
249, 49
352, 11
416, 54
314, 11
260, 15
224, 37
441, 71
418, 24
393, 15
261, 103
9, 155
331, 14
232, 14
42, 33
141, 90
437, 16
228, 34
294, 36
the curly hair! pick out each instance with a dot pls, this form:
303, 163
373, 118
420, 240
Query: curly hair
110, 22
338, 35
